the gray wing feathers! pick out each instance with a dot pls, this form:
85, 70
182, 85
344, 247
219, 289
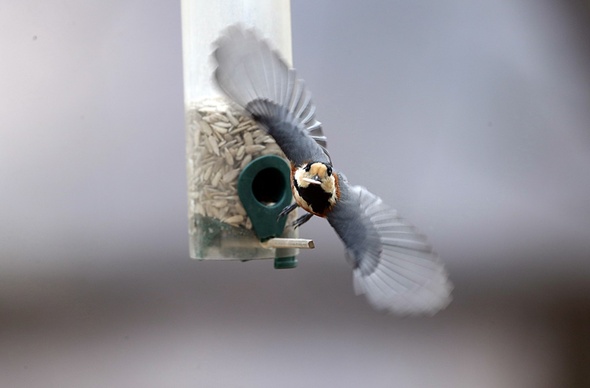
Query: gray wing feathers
255, 77
394, 266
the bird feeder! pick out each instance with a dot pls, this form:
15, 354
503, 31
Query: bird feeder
238, 178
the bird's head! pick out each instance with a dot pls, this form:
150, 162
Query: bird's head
315, 173
316, 185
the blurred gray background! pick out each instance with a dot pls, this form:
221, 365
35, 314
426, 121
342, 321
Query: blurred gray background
471, 118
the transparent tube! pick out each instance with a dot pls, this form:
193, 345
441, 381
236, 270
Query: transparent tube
238, 178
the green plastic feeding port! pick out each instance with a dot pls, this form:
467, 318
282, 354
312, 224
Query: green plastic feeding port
264, 188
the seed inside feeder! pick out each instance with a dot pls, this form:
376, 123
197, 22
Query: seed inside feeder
221, 141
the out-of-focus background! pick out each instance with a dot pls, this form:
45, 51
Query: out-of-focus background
471, 118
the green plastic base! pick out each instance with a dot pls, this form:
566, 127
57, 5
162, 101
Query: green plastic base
285, 262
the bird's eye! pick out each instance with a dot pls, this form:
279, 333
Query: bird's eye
308, 167
329, 170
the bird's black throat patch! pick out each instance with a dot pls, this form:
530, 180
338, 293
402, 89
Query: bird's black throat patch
315, 196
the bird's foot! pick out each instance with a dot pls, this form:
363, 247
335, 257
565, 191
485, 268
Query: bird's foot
287, 210
302, 220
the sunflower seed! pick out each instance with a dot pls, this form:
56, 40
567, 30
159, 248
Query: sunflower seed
205, 127
247, 159
240, 152
237, 219
248, 139
228, 157
252, 149
219, 128
231, 175
232, 118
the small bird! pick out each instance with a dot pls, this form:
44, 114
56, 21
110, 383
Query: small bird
393, 264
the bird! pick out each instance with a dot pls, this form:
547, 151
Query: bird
394, 265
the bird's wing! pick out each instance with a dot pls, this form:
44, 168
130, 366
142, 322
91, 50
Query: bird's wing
394, 266
255, 77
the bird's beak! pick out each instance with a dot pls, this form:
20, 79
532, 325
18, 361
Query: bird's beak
315, 180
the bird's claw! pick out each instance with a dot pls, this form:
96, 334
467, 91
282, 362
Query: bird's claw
286, 210
302, 220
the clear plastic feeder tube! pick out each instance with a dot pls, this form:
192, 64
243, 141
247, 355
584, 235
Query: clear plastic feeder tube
237, 175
